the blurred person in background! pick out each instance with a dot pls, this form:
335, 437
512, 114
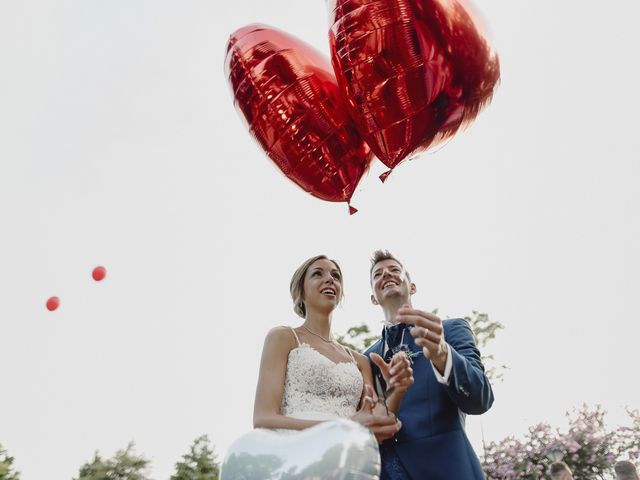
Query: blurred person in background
560, 471
625, 470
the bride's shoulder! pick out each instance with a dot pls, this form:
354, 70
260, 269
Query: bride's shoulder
282, 336
280, 330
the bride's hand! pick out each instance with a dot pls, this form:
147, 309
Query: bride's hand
381, 425
397, 373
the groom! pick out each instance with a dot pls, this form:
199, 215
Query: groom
449, 382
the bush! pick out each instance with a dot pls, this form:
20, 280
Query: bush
587, 447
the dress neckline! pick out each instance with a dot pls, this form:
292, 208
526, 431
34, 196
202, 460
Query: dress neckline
305, 344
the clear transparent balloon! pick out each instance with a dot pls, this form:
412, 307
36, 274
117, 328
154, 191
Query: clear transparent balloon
333, 450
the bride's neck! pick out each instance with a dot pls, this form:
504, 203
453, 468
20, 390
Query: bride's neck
319, 323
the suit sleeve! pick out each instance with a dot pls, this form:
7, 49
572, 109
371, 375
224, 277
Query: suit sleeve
469, 387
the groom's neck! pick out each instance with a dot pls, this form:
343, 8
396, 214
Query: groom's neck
391, 307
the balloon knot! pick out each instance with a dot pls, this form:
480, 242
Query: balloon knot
384, 176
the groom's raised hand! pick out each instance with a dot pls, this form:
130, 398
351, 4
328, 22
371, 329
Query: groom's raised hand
428, 333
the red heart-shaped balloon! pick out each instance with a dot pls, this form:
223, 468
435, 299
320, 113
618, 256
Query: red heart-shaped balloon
414, 71
287, 93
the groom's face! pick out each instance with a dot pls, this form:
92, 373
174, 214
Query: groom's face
389, 280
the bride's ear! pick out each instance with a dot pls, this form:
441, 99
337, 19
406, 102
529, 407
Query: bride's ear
373, 299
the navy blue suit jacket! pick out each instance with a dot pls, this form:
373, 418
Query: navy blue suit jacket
432, 444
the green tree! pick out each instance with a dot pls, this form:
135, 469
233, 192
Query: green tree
357, 338
484, 330
125, 465
6, 470
199, 464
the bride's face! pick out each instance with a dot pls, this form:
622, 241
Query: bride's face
322, 286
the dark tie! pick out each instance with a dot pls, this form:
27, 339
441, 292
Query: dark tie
393, 335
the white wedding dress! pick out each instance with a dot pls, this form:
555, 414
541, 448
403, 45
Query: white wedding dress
317, 388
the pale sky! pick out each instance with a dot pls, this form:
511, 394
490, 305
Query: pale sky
120, 146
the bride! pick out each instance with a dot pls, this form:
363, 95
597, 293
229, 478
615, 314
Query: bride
307, 377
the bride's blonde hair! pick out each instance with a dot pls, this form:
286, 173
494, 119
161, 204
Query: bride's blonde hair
296, 287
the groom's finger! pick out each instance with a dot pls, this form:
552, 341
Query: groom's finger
421, 313
413, 319
385, 421
434, 334
429, 348
405, 372
428, 343
420, 324
399, 361
400, 375
383, 431
380, 363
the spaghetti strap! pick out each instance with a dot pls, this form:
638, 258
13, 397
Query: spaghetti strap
295, 335
350, 354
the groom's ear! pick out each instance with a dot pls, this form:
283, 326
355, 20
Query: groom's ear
412, 288
373, 299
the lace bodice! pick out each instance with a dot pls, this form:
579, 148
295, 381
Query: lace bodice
317, 388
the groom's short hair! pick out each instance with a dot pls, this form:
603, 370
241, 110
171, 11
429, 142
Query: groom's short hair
379, 256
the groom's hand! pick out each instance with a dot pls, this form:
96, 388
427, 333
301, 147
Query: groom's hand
397, 373
428, 333
382, 426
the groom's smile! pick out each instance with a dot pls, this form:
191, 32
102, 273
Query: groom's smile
389, 283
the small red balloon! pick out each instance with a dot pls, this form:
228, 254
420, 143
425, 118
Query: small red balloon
414, 71
99, 273
288, 96
53, 303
